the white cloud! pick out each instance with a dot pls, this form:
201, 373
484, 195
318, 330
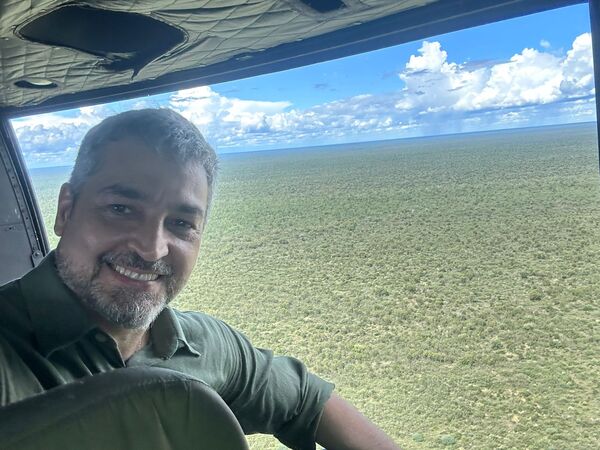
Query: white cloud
203, 106
433, 85
432, 59
529, 77
50, 139
545, 44
578, 69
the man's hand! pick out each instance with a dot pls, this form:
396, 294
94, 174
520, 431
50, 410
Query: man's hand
343, 427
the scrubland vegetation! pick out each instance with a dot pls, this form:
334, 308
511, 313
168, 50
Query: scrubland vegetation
448, 286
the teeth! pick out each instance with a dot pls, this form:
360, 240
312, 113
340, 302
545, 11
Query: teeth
135, 275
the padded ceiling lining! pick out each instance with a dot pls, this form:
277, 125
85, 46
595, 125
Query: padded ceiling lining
216, 30
223, 40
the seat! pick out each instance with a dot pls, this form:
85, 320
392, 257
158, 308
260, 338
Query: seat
125, 409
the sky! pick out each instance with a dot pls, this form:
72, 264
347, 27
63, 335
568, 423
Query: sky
530, 71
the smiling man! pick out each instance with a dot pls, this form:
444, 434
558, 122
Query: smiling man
130, 231
130, 222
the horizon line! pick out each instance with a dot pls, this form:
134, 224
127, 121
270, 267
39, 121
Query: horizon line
430, 136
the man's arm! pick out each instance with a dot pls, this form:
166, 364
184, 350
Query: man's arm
343, 427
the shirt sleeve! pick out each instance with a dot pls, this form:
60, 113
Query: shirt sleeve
274, 394
17, 382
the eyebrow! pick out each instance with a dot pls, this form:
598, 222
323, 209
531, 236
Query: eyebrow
184, 208
134, 194
123, 191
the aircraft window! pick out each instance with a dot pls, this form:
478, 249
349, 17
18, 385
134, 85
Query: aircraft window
419, 224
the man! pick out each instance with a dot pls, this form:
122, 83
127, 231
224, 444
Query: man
130, 222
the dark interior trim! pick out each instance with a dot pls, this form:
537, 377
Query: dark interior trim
595, 26
434, 19
25, 194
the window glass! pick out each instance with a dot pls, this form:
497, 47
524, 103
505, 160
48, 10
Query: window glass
419, 224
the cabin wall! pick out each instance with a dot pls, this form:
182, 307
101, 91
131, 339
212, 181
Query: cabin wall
22, 245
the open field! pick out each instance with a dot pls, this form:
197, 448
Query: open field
449, 286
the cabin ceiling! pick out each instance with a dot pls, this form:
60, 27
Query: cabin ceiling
54, 52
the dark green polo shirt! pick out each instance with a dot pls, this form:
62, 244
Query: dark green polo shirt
46, 340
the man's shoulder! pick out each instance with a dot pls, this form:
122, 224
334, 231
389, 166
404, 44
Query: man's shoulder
194, 316
198, 320
201, 326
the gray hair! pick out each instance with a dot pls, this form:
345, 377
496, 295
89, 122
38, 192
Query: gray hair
166, 132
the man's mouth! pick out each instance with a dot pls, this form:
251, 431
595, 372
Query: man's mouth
138, 276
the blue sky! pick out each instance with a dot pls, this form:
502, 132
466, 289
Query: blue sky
376, 72
529, 71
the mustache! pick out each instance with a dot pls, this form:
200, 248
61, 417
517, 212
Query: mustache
134, 261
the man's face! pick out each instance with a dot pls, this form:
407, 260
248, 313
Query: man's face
131, 237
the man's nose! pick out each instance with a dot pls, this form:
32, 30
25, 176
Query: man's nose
150, 242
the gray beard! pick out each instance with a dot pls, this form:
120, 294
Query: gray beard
128, 308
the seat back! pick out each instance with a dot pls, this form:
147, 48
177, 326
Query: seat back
126, 409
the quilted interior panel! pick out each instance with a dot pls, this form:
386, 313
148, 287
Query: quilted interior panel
215, 31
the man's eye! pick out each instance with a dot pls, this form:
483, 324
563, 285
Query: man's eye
180, 223
119, 209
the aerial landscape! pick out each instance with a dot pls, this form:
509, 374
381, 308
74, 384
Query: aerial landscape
447, 285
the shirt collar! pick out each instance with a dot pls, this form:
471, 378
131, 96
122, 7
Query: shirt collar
168, 336
57, 316
59, 319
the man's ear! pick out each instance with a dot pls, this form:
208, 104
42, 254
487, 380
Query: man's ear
66, 200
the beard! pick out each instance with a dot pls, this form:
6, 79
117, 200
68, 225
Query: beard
126, 307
